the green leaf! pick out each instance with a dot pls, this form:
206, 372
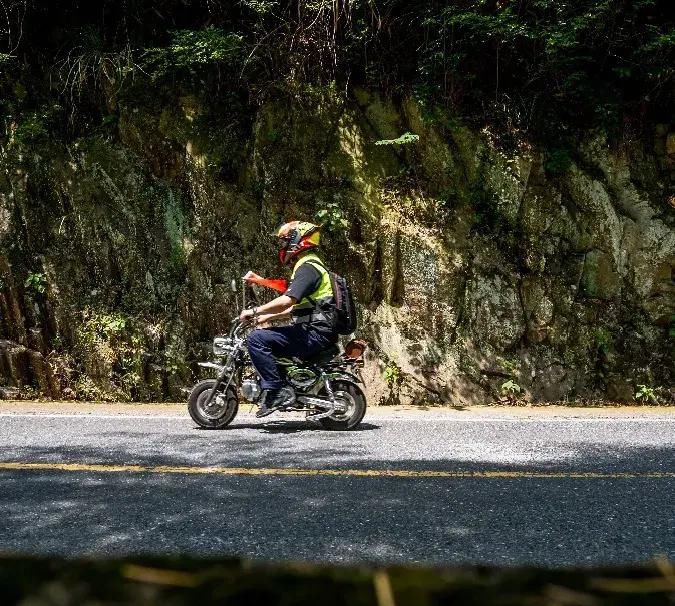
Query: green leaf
404, 139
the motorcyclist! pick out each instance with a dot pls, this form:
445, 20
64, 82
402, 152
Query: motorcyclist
310, 304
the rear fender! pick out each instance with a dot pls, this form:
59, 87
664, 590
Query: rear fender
344, 374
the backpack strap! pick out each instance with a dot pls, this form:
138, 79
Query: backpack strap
315, 264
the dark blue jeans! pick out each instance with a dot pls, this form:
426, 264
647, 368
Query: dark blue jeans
296, 340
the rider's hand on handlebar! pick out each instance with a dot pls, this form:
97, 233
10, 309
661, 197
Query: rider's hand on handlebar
246, 316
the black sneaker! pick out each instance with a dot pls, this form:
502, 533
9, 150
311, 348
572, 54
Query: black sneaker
275, 399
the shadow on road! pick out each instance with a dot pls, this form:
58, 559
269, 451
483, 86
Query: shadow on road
288, 427
561, 520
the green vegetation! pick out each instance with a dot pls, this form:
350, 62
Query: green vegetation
392, 374
31, 129
36, 283
510, 388
511, 393
511, 366
529, 66
174, 224
90, 67
332, 217
603, 339
190, 49
646, 395
543, 60
558, 161
180, 580
110, 348
148, 145
404, 139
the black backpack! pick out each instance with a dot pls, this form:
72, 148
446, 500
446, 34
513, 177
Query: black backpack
345, 309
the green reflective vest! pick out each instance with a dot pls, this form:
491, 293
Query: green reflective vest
323, 294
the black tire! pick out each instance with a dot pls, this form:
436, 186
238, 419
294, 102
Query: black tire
219, 416
356, 410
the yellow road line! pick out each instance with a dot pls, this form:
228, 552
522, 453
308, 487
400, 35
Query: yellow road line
359, 473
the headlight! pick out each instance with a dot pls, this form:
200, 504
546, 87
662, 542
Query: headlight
222, 345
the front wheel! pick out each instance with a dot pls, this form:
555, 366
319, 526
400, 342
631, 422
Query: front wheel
352, 406
219, 412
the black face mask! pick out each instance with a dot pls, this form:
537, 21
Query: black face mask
283, 249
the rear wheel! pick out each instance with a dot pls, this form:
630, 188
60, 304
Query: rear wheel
216, 414
350, 403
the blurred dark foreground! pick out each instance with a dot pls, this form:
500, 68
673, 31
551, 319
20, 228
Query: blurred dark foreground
179, 581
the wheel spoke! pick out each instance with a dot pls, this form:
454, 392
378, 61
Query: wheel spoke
216, 414
348, 406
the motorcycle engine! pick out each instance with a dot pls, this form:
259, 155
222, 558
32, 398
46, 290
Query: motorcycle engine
301, 378
250, 389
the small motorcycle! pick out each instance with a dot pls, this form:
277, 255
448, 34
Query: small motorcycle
326, 385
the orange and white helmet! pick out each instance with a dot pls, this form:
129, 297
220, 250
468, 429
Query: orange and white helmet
296, 237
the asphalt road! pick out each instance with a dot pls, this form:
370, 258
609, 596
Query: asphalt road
477, 486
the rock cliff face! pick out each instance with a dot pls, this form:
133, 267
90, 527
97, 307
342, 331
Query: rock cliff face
475, 264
